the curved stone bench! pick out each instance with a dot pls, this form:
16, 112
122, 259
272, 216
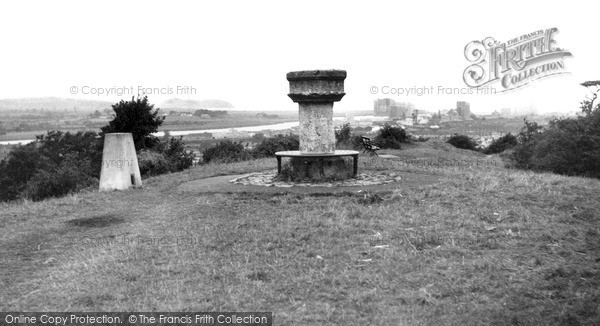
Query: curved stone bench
319, 156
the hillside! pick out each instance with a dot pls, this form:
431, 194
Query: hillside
461, 240
176, 103
53, 103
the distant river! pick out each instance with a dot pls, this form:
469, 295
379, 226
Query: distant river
278, 126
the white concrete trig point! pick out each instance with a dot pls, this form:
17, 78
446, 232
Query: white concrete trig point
120, 169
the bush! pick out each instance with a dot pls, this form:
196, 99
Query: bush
568, 146
391, 137
21, 164
85, 147
345, 139
269, 146
462, 141
529, 131
179, 158
59, 163
169, 156
28, 170
152, 163
258, 137
357, 143
226, 151
68, 177
501, 144
561, 151
344, 134
389, 143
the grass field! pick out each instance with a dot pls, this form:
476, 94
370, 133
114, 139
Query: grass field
485, 245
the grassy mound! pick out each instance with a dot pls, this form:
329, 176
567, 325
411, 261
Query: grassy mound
486, 245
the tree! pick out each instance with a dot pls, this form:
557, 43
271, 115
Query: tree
138, 118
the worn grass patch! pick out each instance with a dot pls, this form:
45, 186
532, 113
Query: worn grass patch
97, 221
485, 246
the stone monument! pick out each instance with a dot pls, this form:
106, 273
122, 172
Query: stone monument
315, 91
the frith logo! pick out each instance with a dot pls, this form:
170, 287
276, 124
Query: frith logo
514, 63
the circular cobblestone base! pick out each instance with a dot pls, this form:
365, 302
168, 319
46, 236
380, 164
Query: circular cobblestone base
268, 179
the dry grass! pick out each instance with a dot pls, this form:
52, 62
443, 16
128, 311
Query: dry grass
485, 246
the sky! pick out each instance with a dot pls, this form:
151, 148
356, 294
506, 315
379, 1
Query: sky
240, 51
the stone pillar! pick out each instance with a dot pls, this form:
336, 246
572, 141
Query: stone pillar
315, 91
120, 168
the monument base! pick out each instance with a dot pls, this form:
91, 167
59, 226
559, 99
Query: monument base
317, 167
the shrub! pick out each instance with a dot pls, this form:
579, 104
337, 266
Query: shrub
389, 143
269, 146
561, 151
391, 137
225, 151
169, 156
530, 130
23, 166
345, 138
85, 147
522, 154
179, 158
501, 144
356, 143
568, 146
18, 168
344, 134
258, 137
59, 163
462, 141
152, 163
68, 177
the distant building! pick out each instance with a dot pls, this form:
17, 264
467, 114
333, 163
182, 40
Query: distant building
382, 107
505, 112
363, 123
463, 109
529, 110
493, 116
387, 107
402, 110
179, 114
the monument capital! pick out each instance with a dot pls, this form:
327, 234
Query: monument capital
316, 85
